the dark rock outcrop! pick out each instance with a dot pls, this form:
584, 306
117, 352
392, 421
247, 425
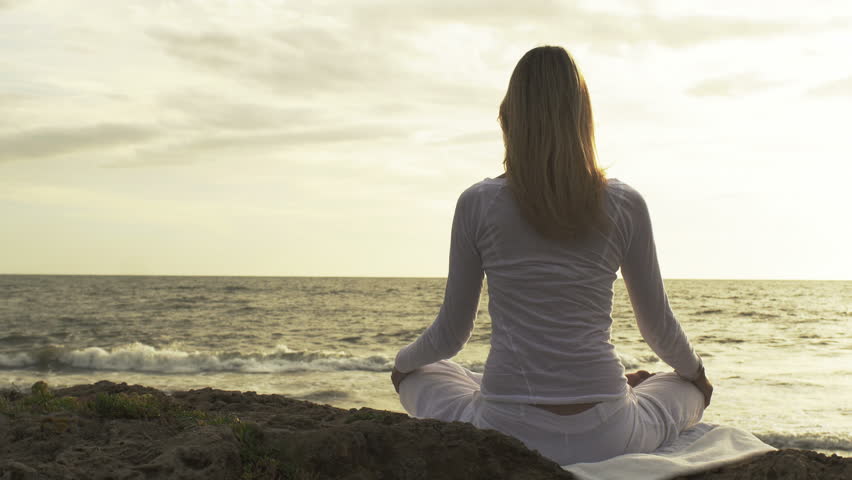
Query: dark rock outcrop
109, 430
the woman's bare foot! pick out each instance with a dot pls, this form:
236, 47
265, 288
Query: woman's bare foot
638, 377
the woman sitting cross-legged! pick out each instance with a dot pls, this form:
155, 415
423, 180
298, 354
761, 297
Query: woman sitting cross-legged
550, 234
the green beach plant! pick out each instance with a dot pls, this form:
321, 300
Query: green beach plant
121, 405
108, 406
258, 460
261, 462
40, 401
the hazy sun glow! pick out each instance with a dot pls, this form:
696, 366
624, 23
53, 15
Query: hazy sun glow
275, 137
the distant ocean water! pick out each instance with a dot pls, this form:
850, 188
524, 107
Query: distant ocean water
778, 352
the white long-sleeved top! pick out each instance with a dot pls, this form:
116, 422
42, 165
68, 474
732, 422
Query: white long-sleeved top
550, 303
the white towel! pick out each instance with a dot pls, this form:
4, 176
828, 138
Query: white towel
699, 448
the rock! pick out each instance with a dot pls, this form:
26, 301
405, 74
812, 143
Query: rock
219, 434
202, 453
787, 464
10, 470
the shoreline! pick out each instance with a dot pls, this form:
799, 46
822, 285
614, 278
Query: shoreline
133, 431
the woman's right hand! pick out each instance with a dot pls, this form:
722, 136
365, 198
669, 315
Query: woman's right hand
705, 387
397, 377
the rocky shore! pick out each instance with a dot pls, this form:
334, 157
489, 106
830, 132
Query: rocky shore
118, 431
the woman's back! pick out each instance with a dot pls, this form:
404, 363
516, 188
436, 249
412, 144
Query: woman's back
550, 301
550, 304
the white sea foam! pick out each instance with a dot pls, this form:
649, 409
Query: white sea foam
13, 360
139, 357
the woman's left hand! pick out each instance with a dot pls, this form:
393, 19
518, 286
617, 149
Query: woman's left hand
634, 379
397, 377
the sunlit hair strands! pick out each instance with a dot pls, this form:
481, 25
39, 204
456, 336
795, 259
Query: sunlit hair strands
548, 131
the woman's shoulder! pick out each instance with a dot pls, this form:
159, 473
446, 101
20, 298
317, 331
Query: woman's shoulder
618, 187
625, 199
490, 183
483, 188
623, 192
479, 197
488, 188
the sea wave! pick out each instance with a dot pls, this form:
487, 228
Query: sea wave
809, 441
139, 357
638, 361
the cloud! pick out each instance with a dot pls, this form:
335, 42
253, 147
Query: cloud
569, 21
103, 203
679, 32
305, 64
55, 141
840, 87
207, 49
372, 51
209, 111
731, 86
205, 146
469, 12
10, 3
286, 61
484, 136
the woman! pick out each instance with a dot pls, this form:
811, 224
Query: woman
550, 234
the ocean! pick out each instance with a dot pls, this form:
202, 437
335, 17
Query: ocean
779, 353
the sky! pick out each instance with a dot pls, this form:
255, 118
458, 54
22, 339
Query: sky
332, 138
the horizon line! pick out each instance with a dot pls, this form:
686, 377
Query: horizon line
750, 279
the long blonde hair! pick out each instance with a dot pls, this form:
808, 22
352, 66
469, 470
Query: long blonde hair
550, 160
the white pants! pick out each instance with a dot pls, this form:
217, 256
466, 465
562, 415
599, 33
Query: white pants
651, 414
